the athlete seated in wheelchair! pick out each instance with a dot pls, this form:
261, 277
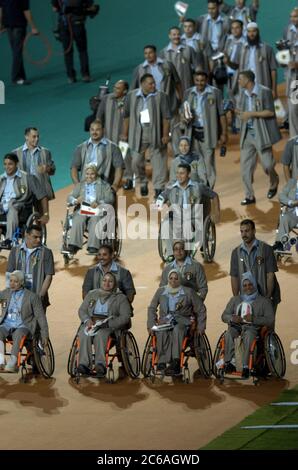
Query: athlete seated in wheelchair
288, 219
181, 313
88, 198
22, 317
18, 191
250, 316
105, 316
182, 220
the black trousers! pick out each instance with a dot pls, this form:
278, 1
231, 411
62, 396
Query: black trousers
75, 32
16, 38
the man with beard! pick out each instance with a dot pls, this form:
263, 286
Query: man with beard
259, 58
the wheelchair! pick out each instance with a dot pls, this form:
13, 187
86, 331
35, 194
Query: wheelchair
266, 357
115, 241
25, 221
288, 241
193, 345
122, 347
209, 237
41, 360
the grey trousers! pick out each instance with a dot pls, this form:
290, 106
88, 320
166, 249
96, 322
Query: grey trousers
248, 163
16, 334
287, 221
158, 157
99, 341
128, 173
12, 221
209, 158
248, 334
169, 343
79, 223
171, 231
293, 118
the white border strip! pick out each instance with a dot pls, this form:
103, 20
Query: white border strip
285, 403
273, 426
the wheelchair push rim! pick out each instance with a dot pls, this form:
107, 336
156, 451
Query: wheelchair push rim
209, 239
275, 355
203, 354
44, 357
130, 354
146, 366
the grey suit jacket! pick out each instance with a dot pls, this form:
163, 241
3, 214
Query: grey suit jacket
32, 311
118, 307
288, 194
103, 192
262, 311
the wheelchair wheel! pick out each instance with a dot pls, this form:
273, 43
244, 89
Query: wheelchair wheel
130, 354
117, 242
71, 363
44, 357
146, 366
218, 358
209, 239
162, 246
34, 219
203, 354
275, 355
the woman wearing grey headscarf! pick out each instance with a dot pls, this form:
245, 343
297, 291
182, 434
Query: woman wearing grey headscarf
21, 311
245, 314
180, 306
196, 162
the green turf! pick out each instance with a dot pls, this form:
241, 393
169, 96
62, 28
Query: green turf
260, 439
116, 39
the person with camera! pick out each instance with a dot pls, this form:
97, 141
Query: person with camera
214, 29
71, 28
14, 17
258, 132
205, 121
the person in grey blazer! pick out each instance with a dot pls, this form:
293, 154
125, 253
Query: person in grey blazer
36, 160
245, 314
288, 218
17, 192
21, 313
195, 160
258, 133
95, 192
180, 306
106, 264
106, 303
289, 158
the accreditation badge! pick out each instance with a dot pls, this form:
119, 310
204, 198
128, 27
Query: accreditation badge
23, 189
260, 260
211, 100
92, 303
188, 276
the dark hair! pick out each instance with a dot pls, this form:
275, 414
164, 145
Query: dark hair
28, 129
145, 76
107, 247
190, 20
125, 83
150, 46
174, 27
12, 157
96, 121
237, 21
35, 227
186, 166
249, 74
201, 72
214, 1
248, 222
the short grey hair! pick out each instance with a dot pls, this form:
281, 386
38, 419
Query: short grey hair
19, 275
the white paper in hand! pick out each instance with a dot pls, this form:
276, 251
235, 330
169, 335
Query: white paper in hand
88, 210
279, 109
123, 148
181, 8
145, 116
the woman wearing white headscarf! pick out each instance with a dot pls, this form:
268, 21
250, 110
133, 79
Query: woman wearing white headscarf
21, 311
180, 306
245, 314
106, 303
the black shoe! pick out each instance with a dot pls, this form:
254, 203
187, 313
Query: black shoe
161, 367
92, 251
278, 246
229, 368
173, 368
245, 373
271, 193
84, 370
128, 185
6, 244
144, 190
157, 192
73, 249
247, 201
100, 370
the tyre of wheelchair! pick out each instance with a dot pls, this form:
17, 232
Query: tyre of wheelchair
275, 356
72, 358
130, 354
203, 354
44, 357
146, 366
217, 357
